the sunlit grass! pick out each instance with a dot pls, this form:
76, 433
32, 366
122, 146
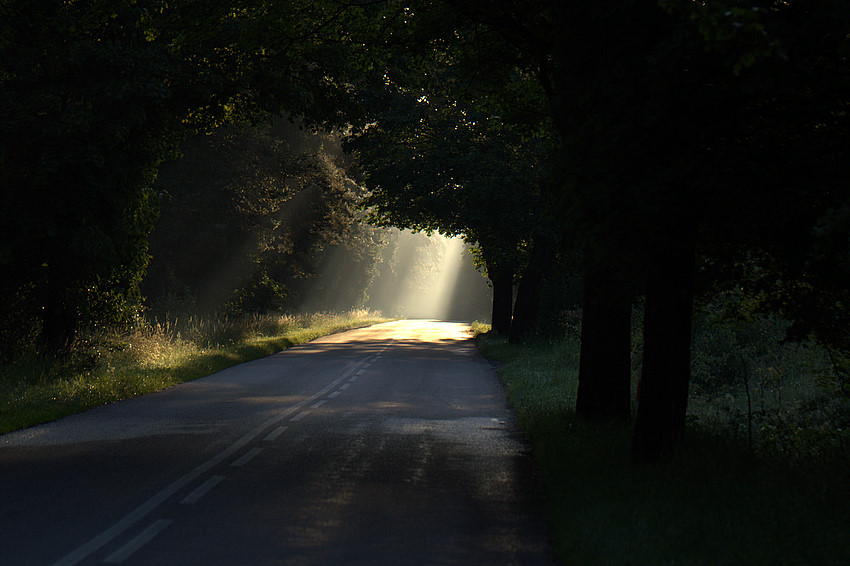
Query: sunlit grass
715, 502
477, 327
153, 356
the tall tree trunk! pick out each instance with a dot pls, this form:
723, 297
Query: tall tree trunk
604, 387
502, 279
667, 351
527, 306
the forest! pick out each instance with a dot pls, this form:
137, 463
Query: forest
638, 169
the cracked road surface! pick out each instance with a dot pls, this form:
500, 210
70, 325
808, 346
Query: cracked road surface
390, 444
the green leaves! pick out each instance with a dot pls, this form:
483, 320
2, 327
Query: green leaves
456, 135
738, 33
251, 215
84, 122
94, 94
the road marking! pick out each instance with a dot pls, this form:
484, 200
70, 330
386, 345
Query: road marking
299, 416
334, 394
202, 490
359, 372
354, 378
108, 535
275, 433
345, 386
318, 404
247, 457
138, 541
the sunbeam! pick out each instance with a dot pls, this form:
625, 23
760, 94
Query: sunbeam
444, 281
423, 277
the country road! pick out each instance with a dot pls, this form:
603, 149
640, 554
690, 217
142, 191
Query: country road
390, 444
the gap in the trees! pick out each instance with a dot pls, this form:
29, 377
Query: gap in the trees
429, 276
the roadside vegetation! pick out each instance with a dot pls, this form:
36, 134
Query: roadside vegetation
762, 482
107, 367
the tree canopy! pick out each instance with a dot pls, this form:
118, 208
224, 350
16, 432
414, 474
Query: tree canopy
95, 94
455, 139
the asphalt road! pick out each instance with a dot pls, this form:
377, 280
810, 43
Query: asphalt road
385, 445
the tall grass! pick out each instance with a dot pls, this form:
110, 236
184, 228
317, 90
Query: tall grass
777, 397
717, 501
107, 367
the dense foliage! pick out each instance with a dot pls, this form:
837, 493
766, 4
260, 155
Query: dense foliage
248, 218
84, 120
95, 94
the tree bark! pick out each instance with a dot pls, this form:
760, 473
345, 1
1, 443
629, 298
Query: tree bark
527, 306
604, 388
668, 316
502, 279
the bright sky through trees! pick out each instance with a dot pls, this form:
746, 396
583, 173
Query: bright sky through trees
423, 277
432, 295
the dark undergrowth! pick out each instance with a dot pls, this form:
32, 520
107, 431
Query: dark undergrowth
723, 498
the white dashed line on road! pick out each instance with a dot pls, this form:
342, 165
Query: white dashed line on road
138, 542
299, 416
249, 455
115, 530
202, 490
275, 433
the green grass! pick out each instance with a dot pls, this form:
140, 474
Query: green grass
107, 368
714, 502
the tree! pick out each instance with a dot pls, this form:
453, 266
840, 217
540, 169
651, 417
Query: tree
559, 44
95, 94
250, 218
84, 121
433, 165
770, 87
454, 141
664, 116
784, 164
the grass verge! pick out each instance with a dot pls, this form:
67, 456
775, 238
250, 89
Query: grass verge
715, 502
153, 356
